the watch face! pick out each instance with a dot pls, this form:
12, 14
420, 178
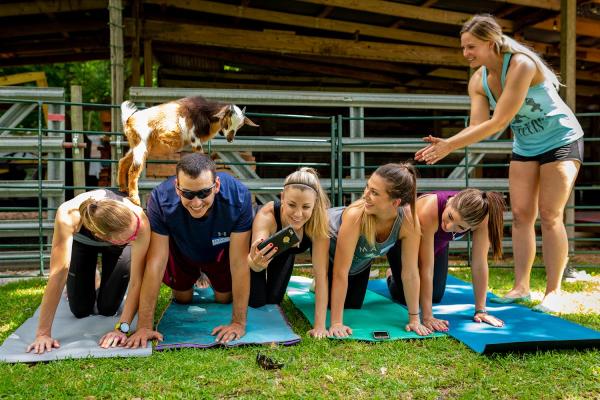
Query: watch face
124, 327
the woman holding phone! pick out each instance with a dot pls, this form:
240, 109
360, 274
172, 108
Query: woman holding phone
303, 207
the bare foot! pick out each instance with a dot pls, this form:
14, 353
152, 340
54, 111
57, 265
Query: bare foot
203, 282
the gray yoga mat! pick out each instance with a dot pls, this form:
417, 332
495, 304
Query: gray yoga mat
78, 338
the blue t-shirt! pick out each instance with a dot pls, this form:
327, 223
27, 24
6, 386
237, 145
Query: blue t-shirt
201, 239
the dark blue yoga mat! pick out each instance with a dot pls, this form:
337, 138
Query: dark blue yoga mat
190, 325
524, 328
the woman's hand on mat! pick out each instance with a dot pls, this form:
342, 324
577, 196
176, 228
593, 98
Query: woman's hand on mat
318, 333
260, 259
43, 343
113, 339
434, 324
227, 333
488, 319
141, 337
339, 330
437, 149
418, 328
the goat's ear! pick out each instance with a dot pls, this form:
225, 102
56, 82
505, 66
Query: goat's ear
222, 112
248, 121
244, 110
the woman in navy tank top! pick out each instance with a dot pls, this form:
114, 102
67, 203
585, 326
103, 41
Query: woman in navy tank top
445, 216
520, 88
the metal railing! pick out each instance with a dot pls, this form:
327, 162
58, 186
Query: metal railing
48, 145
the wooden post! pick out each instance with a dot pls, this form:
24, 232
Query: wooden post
115, 9
77, 138
568, 43
135, 45
148, 63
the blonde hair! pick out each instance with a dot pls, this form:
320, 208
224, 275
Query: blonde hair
307, 178
484, 27
402, 184
474, 205
105, 216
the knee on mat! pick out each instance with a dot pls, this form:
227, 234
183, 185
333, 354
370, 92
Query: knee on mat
107, 310
81, 313
257, 304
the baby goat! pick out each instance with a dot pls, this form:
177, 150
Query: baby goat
168, 127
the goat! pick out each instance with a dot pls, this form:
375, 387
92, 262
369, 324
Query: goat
168, 127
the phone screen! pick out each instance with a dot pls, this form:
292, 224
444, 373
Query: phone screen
381, 335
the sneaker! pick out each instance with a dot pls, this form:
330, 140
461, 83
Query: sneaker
573, 275
570, 274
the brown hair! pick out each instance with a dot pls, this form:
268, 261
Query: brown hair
194, 164
484, 27
474, 205
104, 217
307, 178
402, 184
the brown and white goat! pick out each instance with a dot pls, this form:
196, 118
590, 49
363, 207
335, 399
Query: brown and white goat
167, 128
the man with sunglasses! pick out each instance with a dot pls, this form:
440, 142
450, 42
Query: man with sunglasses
201, 222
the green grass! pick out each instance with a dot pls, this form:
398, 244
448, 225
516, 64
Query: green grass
424, 369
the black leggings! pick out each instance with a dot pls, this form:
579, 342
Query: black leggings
268, 286
81, 282
440, 273
357, 287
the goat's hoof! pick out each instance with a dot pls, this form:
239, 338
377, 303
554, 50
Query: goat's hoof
135, 200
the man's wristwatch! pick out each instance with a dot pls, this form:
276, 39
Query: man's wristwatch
122, 327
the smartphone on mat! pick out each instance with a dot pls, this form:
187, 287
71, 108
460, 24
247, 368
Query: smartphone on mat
283, 240
381, 335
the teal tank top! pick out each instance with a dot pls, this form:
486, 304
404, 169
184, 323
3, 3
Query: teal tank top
364, 253
544, 122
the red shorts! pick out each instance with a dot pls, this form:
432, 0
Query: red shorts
182, 273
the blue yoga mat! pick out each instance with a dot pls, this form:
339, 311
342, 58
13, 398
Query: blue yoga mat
190, 325
524, 328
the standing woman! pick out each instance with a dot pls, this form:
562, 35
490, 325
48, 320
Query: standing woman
95, 222
303, 206
369, 228
547, 150
445, 216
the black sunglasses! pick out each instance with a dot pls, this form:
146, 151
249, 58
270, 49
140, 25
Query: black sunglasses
201, 194
267, 362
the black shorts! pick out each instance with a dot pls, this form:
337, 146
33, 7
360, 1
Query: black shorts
571, 151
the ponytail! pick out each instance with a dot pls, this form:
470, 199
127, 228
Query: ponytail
496, 207
105, 216
474, 205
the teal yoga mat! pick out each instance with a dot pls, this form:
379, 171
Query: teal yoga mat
190, 325
377, 314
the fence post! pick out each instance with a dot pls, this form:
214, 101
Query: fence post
76, 138
357, 130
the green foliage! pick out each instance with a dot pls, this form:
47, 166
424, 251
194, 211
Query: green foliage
93, 76
425, 369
